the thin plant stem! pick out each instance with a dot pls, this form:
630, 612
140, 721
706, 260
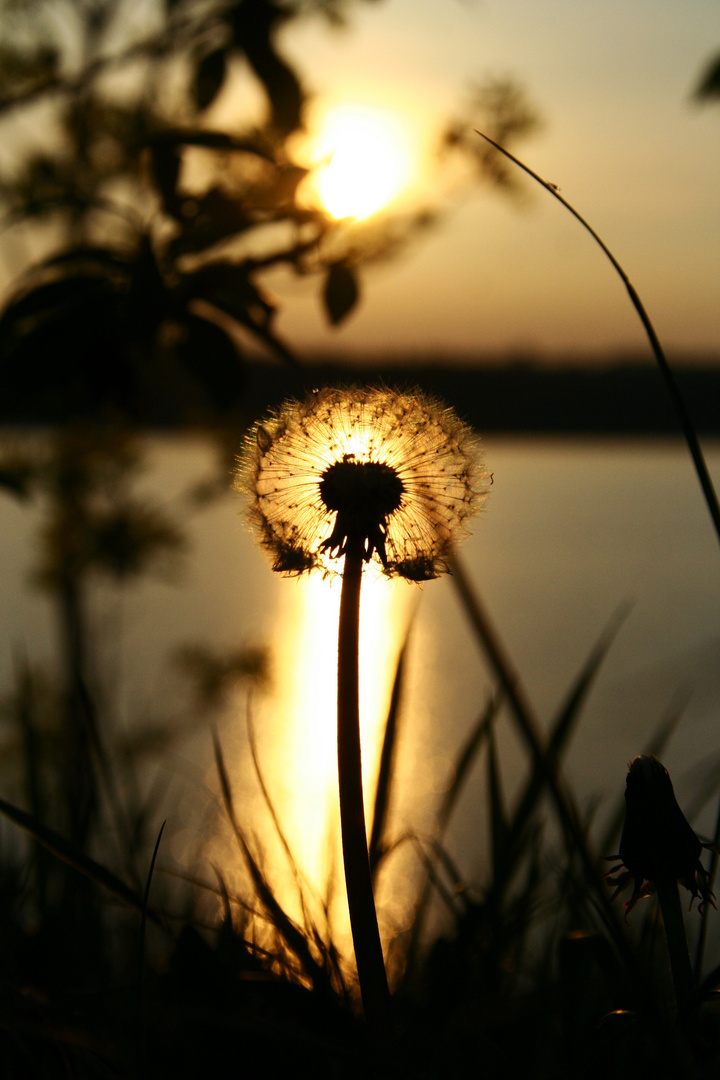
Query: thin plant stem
688, 428
141, 958
674, 924
702, 936
358, 880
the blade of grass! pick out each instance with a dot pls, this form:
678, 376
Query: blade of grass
275, 819
26, 716
92, 725
224, 894
66, 851
455, 893
563, 727
499, 827
311, 929
463, 764
465, 760
521, 707
141, 960
567, 813
145, 899
688, 428
570, 711
289, 932
207, 886
376, 847
702, 936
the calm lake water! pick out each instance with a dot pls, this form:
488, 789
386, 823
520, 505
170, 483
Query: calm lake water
572, 531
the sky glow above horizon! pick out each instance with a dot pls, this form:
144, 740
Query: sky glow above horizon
621, 137
362, 161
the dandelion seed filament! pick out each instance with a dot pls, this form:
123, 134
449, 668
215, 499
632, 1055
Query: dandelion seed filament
399, 472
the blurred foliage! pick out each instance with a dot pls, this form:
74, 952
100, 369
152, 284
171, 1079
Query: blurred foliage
213, 674
95, 522
161, 225
500, 108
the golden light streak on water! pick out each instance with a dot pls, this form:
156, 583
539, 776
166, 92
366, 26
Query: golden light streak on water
300, 738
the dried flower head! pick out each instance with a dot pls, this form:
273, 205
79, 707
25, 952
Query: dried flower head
657, 843
392, 475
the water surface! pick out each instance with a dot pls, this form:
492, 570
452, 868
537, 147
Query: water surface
572, 531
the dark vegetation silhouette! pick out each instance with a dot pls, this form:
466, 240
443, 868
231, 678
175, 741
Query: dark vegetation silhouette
141, 310
154, 291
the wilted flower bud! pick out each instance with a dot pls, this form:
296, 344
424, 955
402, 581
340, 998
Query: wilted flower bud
657, 844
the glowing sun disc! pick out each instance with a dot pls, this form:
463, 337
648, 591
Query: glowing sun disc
367, 162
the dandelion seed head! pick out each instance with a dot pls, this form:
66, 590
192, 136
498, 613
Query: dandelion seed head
396, 472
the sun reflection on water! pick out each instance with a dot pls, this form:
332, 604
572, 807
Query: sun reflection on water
299, 752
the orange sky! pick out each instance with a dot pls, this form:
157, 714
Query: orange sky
621, 138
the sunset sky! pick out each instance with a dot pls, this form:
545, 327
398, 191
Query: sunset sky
621, 137
620, 134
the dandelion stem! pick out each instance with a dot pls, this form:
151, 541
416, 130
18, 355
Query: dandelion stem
676, 938
363, 917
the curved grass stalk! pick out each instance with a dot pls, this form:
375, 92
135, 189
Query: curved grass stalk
678, 401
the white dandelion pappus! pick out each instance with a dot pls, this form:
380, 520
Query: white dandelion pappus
396, 472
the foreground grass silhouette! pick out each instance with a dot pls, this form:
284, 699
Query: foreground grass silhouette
537, 974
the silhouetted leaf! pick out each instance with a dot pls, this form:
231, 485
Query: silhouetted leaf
228, 286
69, 338
63, 348
709, 86
501, 107
41, 302
209, 77
341, 292
254, 23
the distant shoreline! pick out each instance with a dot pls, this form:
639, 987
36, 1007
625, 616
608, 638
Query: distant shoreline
494, 395
619, 399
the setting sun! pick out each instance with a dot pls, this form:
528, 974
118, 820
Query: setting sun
363, 161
